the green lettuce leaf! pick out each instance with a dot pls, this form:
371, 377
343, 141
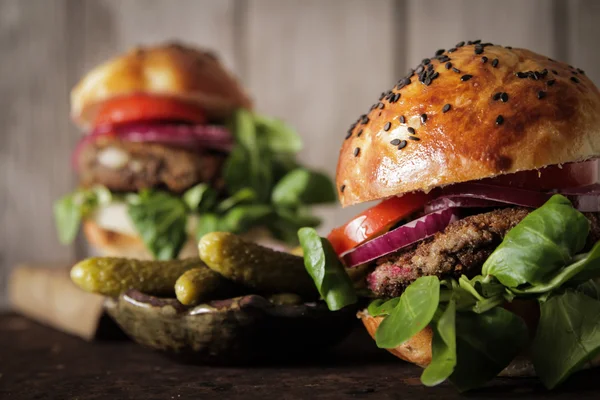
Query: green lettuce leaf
326, 270
412, 314
546, 240
568, 336
160, 218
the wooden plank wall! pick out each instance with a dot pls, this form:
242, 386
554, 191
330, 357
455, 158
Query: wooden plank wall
316, 63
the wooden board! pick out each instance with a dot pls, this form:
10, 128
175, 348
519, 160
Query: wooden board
35, 359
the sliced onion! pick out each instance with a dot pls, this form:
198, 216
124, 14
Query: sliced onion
401, 237
519, 197
193, 137
470, 194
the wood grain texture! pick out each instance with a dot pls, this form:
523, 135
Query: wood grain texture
318, 65
437, 24
355, 369
583, 33
35, 141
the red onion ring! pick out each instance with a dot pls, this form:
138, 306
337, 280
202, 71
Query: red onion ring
193, 137
401, 237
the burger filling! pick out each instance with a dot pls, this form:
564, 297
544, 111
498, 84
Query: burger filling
455, 261
172, 166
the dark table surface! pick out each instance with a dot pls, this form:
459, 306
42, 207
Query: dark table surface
37, 362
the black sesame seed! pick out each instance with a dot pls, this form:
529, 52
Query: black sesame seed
402, 144
499, 120
504, 97
414, 138
382, 96
406, 81
478, 50
387, 126
364, 120
440, 52
544, 72
349, 134
535, 75
427, 81
397, 97
484, 59
342, 188
446, 108
495, 62
466, 77
478, 41
448, 65
381, 106
429, 67
469, 43
419, 69
582, 72
554, 72
435, 75
551, 82
402, 119
359, 133
496, 96
443, 59
426, 61
574, 79
574, 72
423, 118
456, 70
541, 94
395, 142
411, 130
460, 44
508, 47
356, 151
452, 50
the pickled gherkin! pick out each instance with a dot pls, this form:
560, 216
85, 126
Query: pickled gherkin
255, 266
112, 276
201, 284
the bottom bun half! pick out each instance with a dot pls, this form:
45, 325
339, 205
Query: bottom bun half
110, 243
417, 349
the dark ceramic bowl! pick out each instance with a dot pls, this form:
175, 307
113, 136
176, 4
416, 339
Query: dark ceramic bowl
247, 329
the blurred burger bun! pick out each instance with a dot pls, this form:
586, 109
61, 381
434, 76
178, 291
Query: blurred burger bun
171, 70
550, 116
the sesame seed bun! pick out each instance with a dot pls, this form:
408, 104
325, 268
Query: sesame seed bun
475, 112
172, 69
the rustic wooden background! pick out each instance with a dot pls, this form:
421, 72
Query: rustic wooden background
315, 63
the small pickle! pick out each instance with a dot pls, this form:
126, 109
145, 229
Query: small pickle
255, 266
285, 299
112, 276
201, 284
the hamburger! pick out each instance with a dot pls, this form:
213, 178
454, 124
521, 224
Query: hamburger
482, 251
172, 150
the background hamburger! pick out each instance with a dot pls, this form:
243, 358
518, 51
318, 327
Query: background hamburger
173, 151
472, 258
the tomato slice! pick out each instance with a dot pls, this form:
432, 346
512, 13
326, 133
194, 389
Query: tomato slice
553, 177
375, 220
143, 107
